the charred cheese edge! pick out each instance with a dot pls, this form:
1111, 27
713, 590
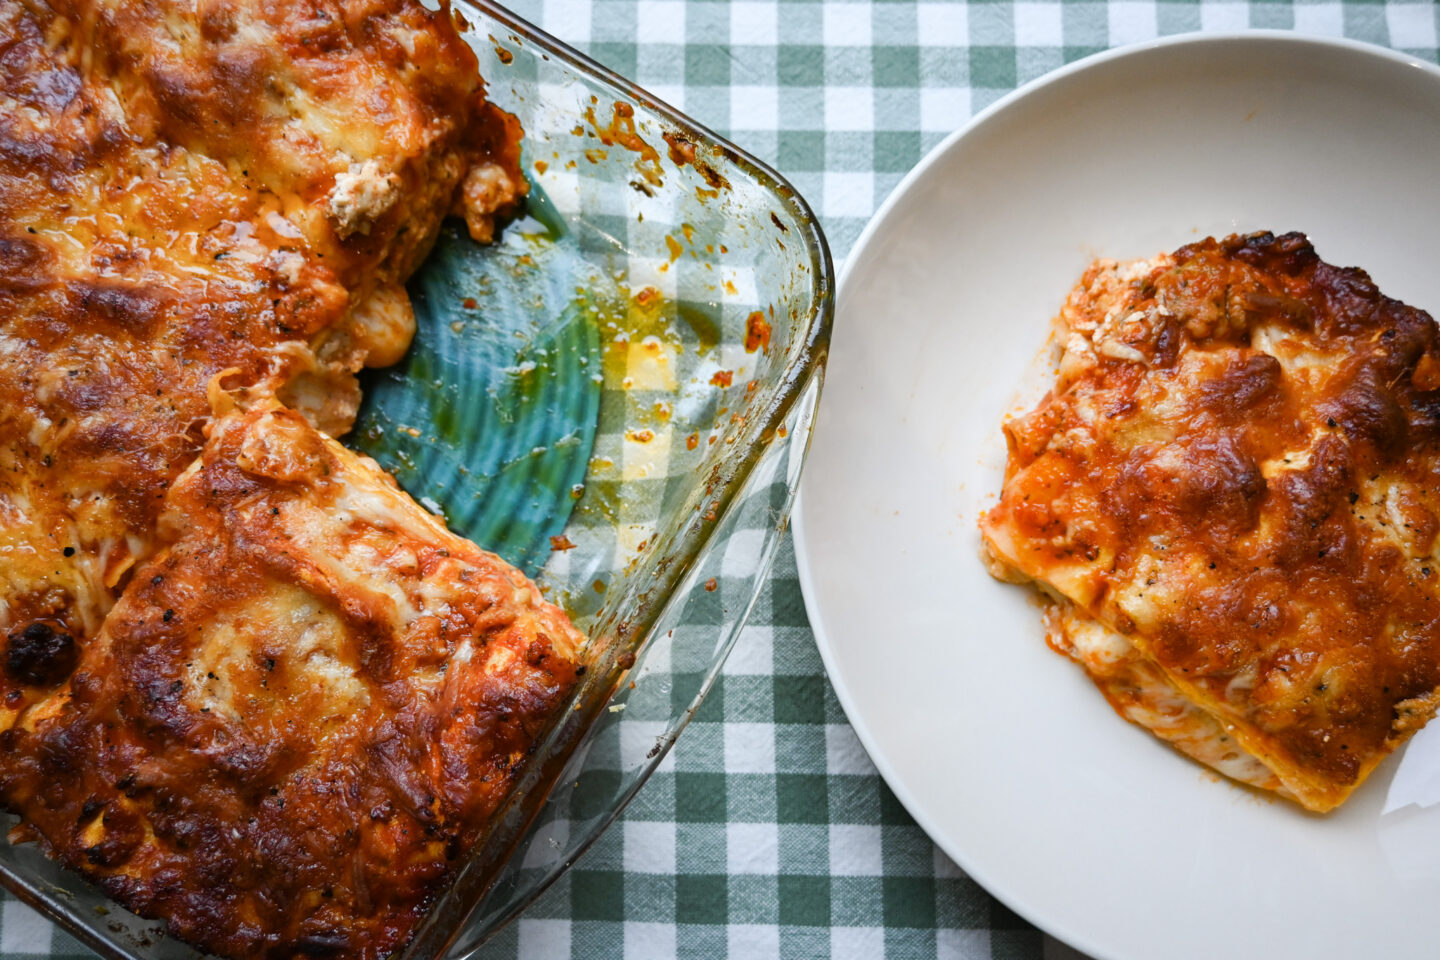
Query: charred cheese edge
301, 713
187, 189
1233, 490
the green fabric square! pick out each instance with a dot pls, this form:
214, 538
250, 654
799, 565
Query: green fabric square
701, 749
906, 851
856, 902
701, 898
748, 697
750, 797
619, 57
597, 940
992, 67
891, 810
804, 901
1024, 944
788, 602
753, 899
961, 904
801, 798
656, 801
707, 66
699, 797
594, 793
800, 65
896, 151
803, 943
1003, 918
700, 848
713, 709
854, 798
909, 901
800, 748
597, 895
1275, 16
804, 848
1079, 53
917, 944
649, 897
799, 699
695, 941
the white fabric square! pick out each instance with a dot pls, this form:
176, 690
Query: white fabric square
855, 850
660, 21
942, 24
544, 938
1411, 25
753, 654
639, 737
22, 930
649, 846
1322, 18
742, 553
548, 846
1131, 22
846, 24
752, 848
753, 24
843, 752
749, 748
849, 108
849, 194
1224, 16
644, 941
857, 943
753, 941
1038, 25
673, 94
754, 108
961, 944
568, 19
943, 109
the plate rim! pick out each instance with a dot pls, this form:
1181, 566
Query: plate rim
1075, 939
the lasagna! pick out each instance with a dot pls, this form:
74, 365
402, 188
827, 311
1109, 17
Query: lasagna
302, 710
247, 685
1231, 496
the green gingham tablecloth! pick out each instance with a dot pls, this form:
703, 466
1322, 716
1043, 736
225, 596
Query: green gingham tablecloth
767, 832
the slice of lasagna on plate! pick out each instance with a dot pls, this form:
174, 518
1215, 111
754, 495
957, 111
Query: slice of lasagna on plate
1232, 496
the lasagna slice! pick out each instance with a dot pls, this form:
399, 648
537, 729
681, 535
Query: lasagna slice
186, 189
303, 709
1231, 495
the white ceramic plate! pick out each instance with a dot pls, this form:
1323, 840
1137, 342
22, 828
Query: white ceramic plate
1001, 749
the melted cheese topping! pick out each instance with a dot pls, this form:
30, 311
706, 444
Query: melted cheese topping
307, 705
185, 191
271, 721
1243, 486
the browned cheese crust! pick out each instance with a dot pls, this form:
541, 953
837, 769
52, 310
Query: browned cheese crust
187, 189
1238, 473
258, 693
301, 712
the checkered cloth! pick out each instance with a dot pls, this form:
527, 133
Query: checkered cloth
767, 832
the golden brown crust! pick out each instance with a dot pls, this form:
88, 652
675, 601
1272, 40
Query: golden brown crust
1238, 472
301, 712
309, 697
183, 191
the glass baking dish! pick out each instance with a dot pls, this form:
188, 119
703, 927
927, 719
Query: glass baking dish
617, 397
